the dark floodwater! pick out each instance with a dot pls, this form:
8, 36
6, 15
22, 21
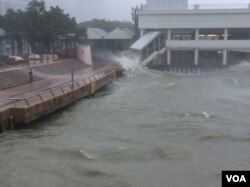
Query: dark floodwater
150, 129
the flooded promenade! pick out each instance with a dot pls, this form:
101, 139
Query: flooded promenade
35, 99
149, 129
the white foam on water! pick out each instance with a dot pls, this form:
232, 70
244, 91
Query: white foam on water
87, 155
131, 64
236, 82
128, 61
121, 148
171, 84
241, 65
207, 115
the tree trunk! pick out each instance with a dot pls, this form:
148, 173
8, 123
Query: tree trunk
12, 46
32, 45
47, 47
1, 46
20, 46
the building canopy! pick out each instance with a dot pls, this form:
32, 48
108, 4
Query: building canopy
145, 40
120, 34
95, 33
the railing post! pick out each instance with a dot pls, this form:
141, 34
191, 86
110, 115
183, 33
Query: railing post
61, 88
52, 93
39, 95
26, 101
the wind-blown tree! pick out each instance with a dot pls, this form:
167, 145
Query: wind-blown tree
80, 32
39, 27
13, 24
34, 24
1, 21
43, 27
56, 23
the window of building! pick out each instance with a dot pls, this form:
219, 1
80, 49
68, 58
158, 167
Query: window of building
181, 57
211, 58
183, 34
211, 34
239, 34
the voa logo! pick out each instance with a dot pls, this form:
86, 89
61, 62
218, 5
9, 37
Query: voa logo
236, 178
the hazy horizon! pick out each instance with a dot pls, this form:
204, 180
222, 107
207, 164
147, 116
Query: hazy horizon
84, 10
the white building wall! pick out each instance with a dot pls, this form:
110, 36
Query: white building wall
208, 45
194, 19
167, 4
163, 16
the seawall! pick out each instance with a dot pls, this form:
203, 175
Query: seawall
23, 111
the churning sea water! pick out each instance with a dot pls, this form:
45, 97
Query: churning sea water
148, 129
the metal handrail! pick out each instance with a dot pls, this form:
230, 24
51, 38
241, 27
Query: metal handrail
54, 88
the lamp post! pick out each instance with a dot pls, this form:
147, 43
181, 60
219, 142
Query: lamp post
72, 63
72, 74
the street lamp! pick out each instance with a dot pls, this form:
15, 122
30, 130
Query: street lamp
72, 74
72, 63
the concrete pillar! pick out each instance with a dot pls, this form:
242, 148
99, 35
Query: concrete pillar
196, 34
196, 57
169, 34
142, 32
196, 7
249, 5
169, 57
225, 34
224, 57
154, 46
159, 42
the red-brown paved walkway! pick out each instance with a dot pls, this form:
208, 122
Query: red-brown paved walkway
47, 83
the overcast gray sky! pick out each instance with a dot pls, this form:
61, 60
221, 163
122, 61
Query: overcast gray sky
115, 9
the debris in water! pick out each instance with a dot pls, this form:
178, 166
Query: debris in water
171, 84
87, 155
207, 115
121, 148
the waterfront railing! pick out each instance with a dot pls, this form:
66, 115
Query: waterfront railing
85, 80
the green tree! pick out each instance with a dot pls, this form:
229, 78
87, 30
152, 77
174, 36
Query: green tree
13, 24
34, 24
38, 26
43, 27
56, 23
1, 21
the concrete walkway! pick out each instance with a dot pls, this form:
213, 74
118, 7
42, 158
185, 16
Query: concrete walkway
46, 84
